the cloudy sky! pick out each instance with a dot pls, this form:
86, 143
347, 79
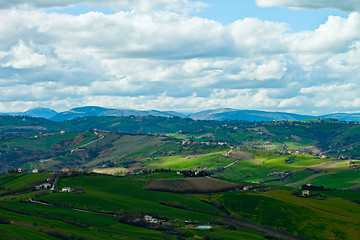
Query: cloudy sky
276, 55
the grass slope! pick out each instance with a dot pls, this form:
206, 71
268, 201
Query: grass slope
313, 219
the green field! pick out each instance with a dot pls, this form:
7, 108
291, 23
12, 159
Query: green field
19, 180
69, 222
314, 219
257, 157
262, 165
209, 161
342, 179
46, 142
226, 211
112, 194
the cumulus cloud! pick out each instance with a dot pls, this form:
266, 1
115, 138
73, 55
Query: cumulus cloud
171, 61
345, 5
22, 56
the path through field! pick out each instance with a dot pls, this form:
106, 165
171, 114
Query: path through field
77, 149
303, 180
309, 206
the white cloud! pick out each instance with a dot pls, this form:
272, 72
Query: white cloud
291, 102
22, 56
252, 35
166, 60
344, 5
335, 36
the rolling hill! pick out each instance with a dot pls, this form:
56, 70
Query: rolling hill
220, 114
100, 111
246, 115
36, 112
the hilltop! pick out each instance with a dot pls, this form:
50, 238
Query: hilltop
213, 114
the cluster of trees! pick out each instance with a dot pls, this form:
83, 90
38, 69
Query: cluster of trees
290, 160
299, 193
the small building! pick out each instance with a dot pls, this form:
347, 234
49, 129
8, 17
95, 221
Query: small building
19, 170
247, 188
66, 189
43, 186
151, 219
305, 193
35, 170
65, 169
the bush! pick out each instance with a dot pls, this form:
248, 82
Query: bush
208, 237
58, 234
4, 220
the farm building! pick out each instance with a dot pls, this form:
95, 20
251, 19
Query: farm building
43, 186
305, 193
151, 219
247, 188
66, 189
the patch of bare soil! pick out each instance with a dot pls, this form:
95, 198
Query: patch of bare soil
190, 185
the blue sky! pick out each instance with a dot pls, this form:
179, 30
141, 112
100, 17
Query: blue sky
275, 55
231, 10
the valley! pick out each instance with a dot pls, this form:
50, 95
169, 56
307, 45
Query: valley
160, 178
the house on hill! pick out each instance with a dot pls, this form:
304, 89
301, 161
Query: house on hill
305, 193
65, 169
151, 219
43, 186
66, 189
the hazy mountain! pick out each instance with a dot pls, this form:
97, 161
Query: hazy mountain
214, 114
40, 112
353, 117
100, 111
35, 112
247, 115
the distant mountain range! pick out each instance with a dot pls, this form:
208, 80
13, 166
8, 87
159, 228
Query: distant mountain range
35, 112
215, 114
247, 115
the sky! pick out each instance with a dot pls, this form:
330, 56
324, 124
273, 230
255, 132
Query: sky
274, 55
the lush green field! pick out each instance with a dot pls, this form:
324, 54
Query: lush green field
45, 142
178, 162
19, 180
113, 194
342, 179
259, 168
18, 232
69, 222
106, 193
314, 219
346, 195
